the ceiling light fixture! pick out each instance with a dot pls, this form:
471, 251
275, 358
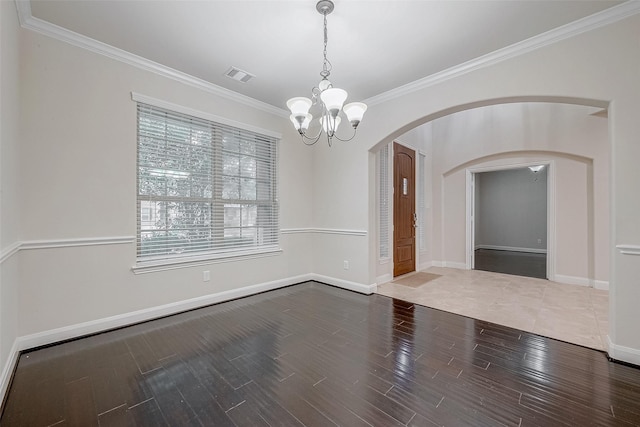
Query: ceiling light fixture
326, 98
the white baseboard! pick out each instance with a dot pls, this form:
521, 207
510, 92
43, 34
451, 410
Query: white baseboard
384, 278
512, 249
425, 265
601, 284
624, 354
572, 280
449, 264
458, 265
581, 281
94, 326
7, 370
99, 325
345, 284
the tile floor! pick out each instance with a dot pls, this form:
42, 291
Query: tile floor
575, 314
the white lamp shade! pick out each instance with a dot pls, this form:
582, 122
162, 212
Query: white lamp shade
305, 122
329, 124
355, 111
333, 98
299, 106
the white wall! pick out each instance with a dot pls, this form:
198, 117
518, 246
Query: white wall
511, 209
507, 135
9, 212
78, 174
77, 170
598, 67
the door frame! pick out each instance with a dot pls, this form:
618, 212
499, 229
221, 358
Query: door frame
551, 210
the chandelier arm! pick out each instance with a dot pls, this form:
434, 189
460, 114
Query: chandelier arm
310, 140
335, 135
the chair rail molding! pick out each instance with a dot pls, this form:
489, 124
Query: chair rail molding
324, 231
63, 243
629, 249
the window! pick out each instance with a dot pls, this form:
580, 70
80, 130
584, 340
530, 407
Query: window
205, 189
422, 240
383, 203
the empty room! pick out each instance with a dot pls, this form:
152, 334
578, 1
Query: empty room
275, 212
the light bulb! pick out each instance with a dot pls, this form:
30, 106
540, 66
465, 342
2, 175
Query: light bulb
330, 124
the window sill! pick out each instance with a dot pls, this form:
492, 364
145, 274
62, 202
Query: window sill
192, 261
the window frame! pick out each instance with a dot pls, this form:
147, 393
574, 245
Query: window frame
216, 253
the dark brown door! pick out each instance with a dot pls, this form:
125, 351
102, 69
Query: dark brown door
404, 208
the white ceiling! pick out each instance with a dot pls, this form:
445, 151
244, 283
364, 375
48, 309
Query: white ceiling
374, 46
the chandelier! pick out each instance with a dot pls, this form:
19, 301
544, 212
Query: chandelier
325, 98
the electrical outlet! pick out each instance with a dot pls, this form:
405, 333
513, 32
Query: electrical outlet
539, 240
346, 265
206, 276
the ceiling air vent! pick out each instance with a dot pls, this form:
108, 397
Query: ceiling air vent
238, 74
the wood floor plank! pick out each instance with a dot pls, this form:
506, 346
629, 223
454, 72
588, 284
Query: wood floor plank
107, 388
79, 404
147, 413
315, 355
116, 417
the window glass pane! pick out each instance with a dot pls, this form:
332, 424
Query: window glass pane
248, 147
249, 215
263, 169
230, 142
230, 164
248, 166
231, 188
248, 189
250, 234
232, 215
263, 190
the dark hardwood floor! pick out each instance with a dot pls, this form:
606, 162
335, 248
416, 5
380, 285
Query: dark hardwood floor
315, 355
510, 262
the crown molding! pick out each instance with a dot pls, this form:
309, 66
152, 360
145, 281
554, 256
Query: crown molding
597, 20
29, 22
592, 22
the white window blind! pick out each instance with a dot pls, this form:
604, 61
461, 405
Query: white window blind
422, 243
383, 202
204, 188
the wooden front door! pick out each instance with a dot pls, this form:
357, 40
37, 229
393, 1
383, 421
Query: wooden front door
404, 210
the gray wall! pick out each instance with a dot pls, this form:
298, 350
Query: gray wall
511, 209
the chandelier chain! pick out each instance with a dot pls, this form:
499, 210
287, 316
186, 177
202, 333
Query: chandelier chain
326, 64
